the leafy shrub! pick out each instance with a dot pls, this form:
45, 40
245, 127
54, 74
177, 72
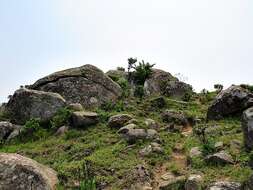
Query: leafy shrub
103, 115
124, 85
208, 147
33, 124
111, 106
139, 91
88, 181
61, 118
218, 87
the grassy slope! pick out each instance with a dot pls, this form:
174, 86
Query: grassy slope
111, 157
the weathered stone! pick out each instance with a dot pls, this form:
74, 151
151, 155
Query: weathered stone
86, 85
231, 101
118, 121
177, 89
150, 123
76, 107
174, 183
194, 182
141, 177
6, 128
26, 104
220, 158
225, 185
195, 152
156, 83
116, 74
83, 119
152, 148
20, 173
171, 116
247, 127
132, 134
218, 145
62, 130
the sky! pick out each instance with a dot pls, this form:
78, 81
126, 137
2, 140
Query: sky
207, 41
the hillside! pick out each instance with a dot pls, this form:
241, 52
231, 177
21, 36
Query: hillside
117, 131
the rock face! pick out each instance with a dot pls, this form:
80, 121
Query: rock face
6, 129
220, 158
173, 117
26, 104
177, 89
86, 85
225, 185
131, 133
154, 85
18, 173
247, 127
233, 100
194, 182
83, 119
118, 121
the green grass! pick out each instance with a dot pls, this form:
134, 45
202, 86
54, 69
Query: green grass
110, 157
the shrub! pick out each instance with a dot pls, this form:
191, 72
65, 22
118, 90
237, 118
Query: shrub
139, 91
187, 96
218, 87
208, 147
61, 118
142, 72
248, 87
88, 181
124, 85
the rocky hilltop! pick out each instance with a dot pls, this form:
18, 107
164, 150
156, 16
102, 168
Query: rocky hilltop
141, 129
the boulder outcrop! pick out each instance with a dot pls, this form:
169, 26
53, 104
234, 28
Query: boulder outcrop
86, 85
26, 104
18, 173
231, 101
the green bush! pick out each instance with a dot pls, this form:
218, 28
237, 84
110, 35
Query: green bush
248, 87
142, 72
124, 85
61, 118
33, 124
139, 91
187, 96
208, 147
88, 181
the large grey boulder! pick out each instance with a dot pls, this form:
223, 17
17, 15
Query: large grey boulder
20, 173
220, 158
174, 117
84, 118
26, 104
225, 185
247, 127
156, 83
177, 89
119, 120
86, 85
6, 129
131, 133
231, 101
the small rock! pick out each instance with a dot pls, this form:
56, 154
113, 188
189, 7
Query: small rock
174, 183
118, 121
132, 134
62, 130
6, 128
247, 127
83, 119
158, 102
194, 182
146, 151
132, 121
218, 145
195, 152
150, 123
173, 117
225, 185
220, 158
76, 107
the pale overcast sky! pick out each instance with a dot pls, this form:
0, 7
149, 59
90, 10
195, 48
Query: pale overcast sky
208, 41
